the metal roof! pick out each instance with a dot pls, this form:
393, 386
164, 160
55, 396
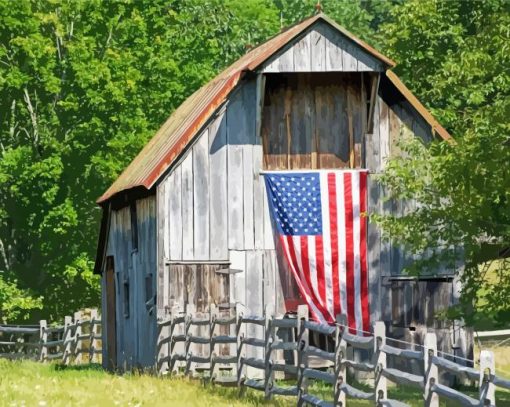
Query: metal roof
184, 123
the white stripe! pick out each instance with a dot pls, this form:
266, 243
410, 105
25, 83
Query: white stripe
342, 262
313, 268
357, 258
301, 281
326, 243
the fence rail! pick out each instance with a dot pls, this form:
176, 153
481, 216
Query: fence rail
188, 342
68, 343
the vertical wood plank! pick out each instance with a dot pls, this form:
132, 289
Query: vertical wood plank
236, 133
187, 206
248, 175
286, 60
349, 62
237, 281
333, 50
162, 242
254, 297
201, 197
302, 55
218, 180
318, 54
175, 214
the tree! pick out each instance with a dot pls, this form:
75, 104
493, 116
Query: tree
455, 55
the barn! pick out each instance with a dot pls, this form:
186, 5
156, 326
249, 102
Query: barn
187, 222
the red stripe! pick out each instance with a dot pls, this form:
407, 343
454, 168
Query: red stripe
305, 262
333, 213
349, 248
321, 278
303, 288
363, 251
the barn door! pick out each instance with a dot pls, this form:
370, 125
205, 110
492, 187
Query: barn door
111, 318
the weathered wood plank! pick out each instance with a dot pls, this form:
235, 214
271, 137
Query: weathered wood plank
248, 210
254, 297
303, 55
236, 133
175, 214
318, 54
333, 49
201, 196
187, 207
218, 196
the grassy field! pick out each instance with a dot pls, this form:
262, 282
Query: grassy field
35, 384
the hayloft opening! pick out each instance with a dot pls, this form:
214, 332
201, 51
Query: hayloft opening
315, 120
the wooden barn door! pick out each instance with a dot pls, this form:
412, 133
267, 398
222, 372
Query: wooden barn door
111, 315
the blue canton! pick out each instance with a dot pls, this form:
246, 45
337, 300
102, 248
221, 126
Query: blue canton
295, 202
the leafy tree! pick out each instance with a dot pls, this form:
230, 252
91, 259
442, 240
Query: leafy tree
455, 55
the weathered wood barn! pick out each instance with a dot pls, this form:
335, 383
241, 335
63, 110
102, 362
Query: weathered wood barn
188, 221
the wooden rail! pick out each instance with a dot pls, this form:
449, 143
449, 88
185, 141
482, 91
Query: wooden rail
77, 341
179, 340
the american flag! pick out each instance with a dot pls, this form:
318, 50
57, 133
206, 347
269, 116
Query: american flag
319, 219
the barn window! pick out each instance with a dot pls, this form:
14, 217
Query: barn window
314, 120
134, 226
126, 299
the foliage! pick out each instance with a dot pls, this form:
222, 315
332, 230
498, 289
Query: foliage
15, 302
456, 55
84, 85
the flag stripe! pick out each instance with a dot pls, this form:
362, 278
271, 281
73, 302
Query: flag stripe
342, 275
349, 249
326, 245
333, 217
291, 259
356, 246
320, 219
365, 301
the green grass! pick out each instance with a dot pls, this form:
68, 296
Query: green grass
34, 384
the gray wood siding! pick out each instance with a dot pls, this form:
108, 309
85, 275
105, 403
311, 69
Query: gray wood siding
136, 330
215, 205
322, 49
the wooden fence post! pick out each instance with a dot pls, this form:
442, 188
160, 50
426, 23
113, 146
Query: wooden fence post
43, 338
68, 338
269, 338
487, 370
78, 358
240, 336
93, 334
212, 325
303, 338
340, 355
380, 380
431, 399
174, 347
189, 347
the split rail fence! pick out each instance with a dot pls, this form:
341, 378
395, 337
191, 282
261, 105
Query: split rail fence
77, 341
191, 342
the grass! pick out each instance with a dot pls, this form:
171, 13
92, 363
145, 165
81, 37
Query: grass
28, 383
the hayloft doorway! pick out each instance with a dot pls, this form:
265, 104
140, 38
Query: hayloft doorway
315, 120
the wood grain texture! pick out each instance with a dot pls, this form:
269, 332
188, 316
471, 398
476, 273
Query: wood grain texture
322, 49
218, 184
175, 214
201, 185
187, 207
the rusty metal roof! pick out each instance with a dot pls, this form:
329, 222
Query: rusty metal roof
184, 123
422, 110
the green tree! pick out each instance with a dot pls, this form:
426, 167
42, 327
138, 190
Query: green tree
455, 55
